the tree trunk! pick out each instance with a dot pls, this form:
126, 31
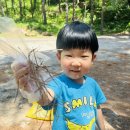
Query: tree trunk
67, 11
20, 9
1, 9
6, 6
59, 6
85, 11
31, 8
73, 16
24, 8
92, 11
12, 2
128, 2
102, 17
48, 2
44, 12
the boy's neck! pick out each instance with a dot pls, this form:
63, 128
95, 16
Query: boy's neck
80, 80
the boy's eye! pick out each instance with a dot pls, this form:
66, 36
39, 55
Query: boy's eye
84, 56
68, 55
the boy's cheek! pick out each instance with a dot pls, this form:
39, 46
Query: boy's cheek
65, 63
64, 67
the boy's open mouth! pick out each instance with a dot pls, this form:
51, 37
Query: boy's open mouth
76, 71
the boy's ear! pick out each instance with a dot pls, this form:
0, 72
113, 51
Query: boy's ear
58, 54
94, 57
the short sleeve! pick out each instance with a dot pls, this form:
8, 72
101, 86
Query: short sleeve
100, 97
55, 85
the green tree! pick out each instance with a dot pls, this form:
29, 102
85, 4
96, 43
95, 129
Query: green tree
44, 12
102, 17
6, 6
20, 9
67, 11
59, 3
33, 6
2, 8
12, 3
92, 11
73, 15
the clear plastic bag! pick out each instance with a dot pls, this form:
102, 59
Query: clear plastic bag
32, 92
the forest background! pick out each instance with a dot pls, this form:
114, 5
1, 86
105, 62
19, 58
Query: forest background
48, 16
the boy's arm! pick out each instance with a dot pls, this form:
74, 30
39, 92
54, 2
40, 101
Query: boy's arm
47, 97
100, 119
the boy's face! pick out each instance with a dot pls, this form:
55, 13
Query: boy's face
76, 63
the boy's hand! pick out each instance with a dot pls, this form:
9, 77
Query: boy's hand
21, 72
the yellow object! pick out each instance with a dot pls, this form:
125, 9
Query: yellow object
37, 112
73, 126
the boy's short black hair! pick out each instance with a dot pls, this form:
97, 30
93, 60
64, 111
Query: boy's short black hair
77, 35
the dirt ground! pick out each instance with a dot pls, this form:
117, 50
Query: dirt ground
111, 70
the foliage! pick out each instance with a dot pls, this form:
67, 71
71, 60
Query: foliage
30, 15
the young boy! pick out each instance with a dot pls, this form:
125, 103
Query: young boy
76, 96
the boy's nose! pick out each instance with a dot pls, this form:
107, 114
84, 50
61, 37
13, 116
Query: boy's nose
76, 63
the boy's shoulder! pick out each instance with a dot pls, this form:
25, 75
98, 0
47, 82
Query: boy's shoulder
89, 78
59, 78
